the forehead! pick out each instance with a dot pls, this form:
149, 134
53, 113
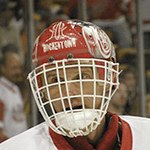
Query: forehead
70, 66
69, 71
12, 59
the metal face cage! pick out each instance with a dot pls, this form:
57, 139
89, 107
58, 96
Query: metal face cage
73, 95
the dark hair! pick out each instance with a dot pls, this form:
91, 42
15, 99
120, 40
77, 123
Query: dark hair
129, 69
6, 4
3, 6
5, 56
9, 48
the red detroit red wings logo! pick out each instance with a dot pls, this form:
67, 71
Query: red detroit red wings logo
98, 42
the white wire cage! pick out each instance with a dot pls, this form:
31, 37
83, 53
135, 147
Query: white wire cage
76, 120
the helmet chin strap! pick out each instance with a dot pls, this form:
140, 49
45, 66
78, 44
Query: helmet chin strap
75, 123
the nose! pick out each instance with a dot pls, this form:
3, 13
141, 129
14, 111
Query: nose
72, 89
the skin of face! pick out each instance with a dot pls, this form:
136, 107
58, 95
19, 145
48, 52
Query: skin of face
12, 68
74, 88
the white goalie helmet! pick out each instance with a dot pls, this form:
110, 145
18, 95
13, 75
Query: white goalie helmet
75, 77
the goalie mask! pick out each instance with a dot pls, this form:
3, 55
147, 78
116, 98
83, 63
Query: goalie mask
75, 77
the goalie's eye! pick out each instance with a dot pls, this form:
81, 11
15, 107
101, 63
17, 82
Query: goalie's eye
83, 76
55, 80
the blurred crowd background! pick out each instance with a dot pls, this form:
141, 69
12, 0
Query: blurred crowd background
117, 18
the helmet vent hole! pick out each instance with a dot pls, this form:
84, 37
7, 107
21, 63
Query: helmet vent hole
70, 56
80, 33
51, 59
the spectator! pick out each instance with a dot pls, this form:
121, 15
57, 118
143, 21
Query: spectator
12, 120
22, 83
8, 32
40, 24
18, 14
109, 15
9, 48
58, 13
49, 11
119, 100
129, 76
